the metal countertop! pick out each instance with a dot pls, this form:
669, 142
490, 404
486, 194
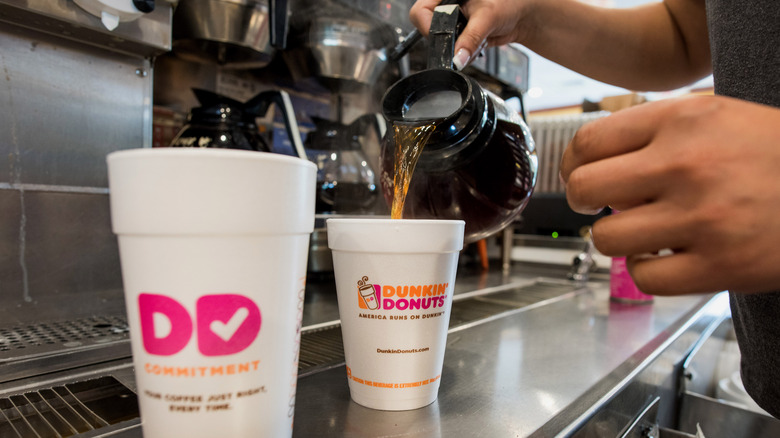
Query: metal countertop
510, 376
536, 368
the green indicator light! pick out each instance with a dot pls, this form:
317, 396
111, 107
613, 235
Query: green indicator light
555, 235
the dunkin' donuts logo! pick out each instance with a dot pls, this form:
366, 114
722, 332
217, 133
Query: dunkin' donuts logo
224, 324
400, 297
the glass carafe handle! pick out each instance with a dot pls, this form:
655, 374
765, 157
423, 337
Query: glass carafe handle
374, 121
259, 105
447, 23
277, 13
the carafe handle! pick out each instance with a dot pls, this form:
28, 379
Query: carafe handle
413, 37
447, 23
145, 6
277, 13
208, 98
375, 121
259, 105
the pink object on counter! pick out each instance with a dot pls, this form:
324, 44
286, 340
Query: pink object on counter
621, 285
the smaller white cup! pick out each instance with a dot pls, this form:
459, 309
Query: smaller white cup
395, 279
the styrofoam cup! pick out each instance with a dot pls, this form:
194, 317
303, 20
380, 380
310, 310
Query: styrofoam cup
213, 246
395, 280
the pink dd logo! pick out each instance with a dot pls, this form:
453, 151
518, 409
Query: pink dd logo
225, 324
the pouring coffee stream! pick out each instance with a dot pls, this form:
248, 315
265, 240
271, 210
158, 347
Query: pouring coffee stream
478, 162
411, 140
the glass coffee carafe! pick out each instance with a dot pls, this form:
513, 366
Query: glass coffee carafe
346, 182
222, 122
479, 163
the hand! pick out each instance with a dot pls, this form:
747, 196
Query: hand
490, 22
696, 175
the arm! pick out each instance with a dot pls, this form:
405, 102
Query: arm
651, 47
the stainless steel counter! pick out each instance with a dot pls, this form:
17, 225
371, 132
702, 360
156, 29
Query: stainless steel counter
528, 354
511, 375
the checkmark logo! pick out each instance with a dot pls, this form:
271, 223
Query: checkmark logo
227, 330
227, 323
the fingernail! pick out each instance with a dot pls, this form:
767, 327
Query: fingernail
461, 59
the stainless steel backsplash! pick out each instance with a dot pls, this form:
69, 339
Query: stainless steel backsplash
65, 102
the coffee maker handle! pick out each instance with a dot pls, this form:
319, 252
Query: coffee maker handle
259, 105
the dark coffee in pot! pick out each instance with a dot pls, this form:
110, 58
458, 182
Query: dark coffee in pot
478, 162
488, 191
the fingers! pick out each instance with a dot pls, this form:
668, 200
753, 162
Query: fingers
673, 274
473, 38
622, 132
696, 271
647, 229
608, 162
463, 57
421, 14
482, 27
687, 178
622, 182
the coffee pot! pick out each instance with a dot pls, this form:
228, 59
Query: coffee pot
222, 122
479, 163
346, 182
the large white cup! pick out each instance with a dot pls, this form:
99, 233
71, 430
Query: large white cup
213, 246
395, 280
